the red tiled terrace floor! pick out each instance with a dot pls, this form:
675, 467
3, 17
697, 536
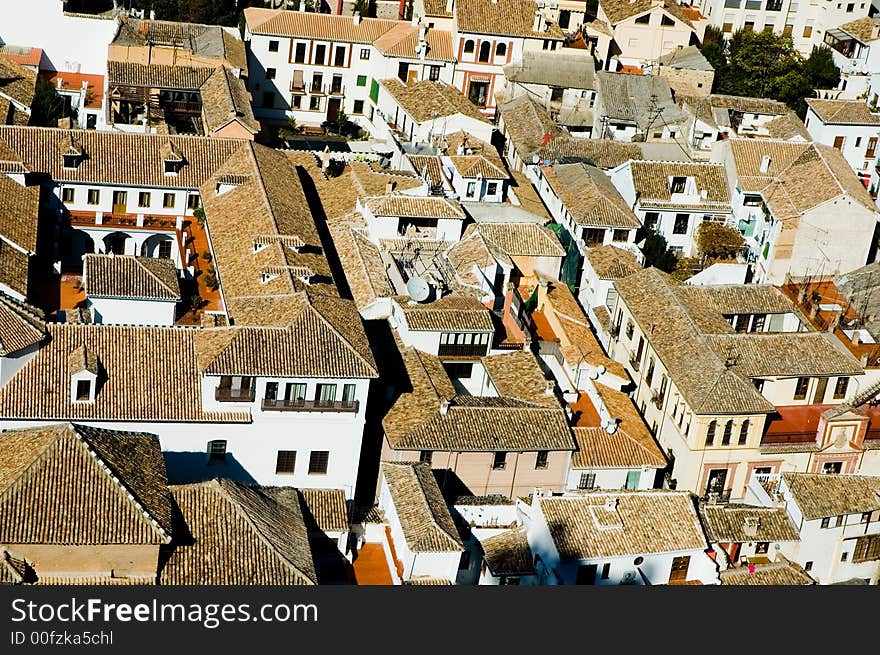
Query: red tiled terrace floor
371, 567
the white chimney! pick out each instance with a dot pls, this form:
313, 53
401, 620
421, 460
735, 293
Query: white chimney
611, 504
536, 25
450, 5
302, 5
765, 164
423, 30
356, 18
444, 407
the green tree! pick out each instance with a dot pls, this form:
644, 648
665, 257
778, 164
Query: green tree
821, 69
47, 106
656, 250
718, 241
290, 130
362, 7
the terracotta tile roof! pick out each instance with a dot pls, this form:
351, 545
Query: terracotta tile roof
619, 10
279, 22
508, 553
738, 298
426, 582
651, 180
818, 496
761, 354
478, 166
116, 157
631, 445
783, 573
127, 276
730, 523
403, 37
76, 485
612, 263
801, 175
677, 336
864, 29
156, 76
604, 153
328, 508
17, 82
14, 570
522, 239
474, 250
450, 313
527, 125
589, 196
23, 55
520, 418
400, 205
843, 112
502, 17
787, 126
14, 270
21, 325
239, 535
638, 523
436, 8
210, 41
748, 105
225, 98
570, 69
362, 262
423, 515
19, 207
166, 365
427, 100
637, 99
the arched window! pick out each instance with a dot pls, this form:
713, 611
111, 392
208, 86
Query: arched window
501, 50
468, 47
485, 51
728, 431
744, 432
710, 433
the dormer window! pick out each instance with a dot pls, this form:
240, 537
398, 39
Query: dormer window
258, 246
71, 160
677, 184
267, 276
84, 367
172, 167
83, 390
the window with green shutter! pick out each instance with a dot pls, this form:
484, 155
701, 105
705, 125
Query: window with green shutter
374, 91
362, 80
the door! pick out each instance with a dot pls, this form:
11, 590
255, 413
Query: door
838, 142
333, 109
716, 481
403, 71
478, 93
632, 479
119, 202
819, 395
564, 19
586, 574
679, 569
412, 77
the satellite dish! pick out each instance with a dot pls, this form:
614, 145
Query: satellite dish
535, 159
418, 289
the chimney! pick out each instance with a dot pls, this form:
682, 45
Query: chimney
389, 187
415, 20
548, 390
536, 24
450, 5
444, 407
765, 164
856, 338
302, 5
152, 14
751, 525
356, 18
611, 504
423, 31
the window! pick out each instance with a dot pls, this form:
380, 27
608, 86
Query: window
667, 21
270, 73
358, 107
318, 460
620, 235
168, 201
325, 394
67, 194
840, 388
299, 56
651, 220
840, 521
434, 73
501, 50
144, 199
348, 391
587, 481
499, 461
744, 433
800, 389
844, 556
768, 28
633, 478
858, 141
762, 547
749, 25
94, 197
541, 459
485, 51
728, 430
425, 456
710, 433
83, 389
120, 200
70, 160
808, 566
826, 522
650, 375
271, 391
295, 393
629, 329
838, 142
866, 516
606, 570
268, 99
193, 201
471, 189
164, 251
832, 468
314, 103
365, 53
681, 224
286, 462
727, 28
759, 385
362, 80
643, 20
296, 101
849, 10
867, 549
808, 31
491, 188
468, 47
317, 81
872, 147
216, 451
320, 55
273, 46
339, 56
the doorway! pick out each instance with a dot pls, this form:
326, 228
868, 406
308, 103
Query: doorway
333, 106
716, 481
478, 93
586, 574
679, 571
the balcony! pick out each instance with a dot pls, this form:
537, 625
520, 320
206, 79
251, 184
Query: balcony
462, 350
282, 405
634, 362
229, 395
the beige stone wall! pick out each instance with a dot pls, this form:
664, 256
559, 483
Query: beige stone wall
688, 82
50, 560
160, 55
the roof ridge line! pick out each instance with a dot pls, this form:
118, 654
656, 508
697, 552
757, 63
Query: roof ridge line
424, 497
345, 341
40, 455
153, 275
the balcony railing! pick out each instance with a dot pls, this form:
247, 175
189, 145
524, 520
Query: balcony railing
635, 362
462, 349
282, 405
229, 395
788, 438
